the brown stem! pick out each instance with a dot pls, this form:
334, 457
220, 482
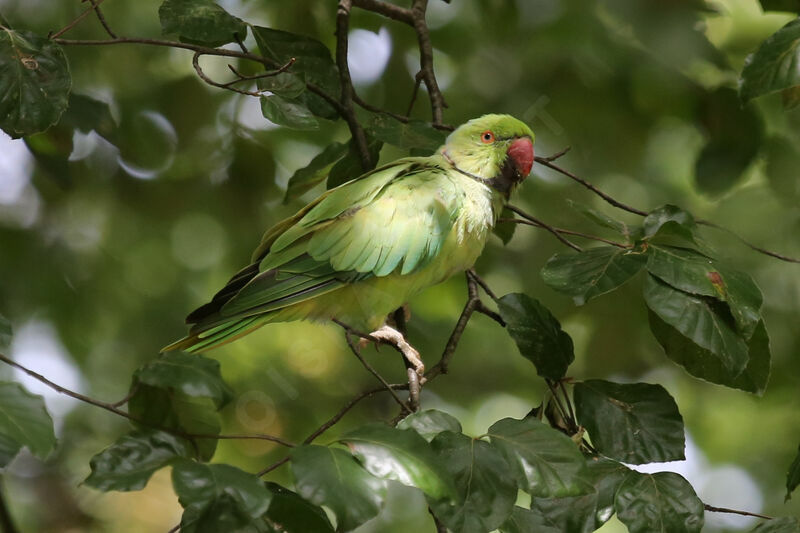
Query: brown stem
102, 18
565, 231
536, 222
85, 13
202, 75
414, 92
387, 10
418, 9
749, 244
713, 509
346, 84
371, 369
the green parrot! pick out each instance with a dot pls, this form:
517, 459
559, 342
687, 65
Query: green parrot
362, 249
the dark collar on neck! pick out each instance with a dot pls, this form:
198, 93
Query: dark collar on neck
502, 183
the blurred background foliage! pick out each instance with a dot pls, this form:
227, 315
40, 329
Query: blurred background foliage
105, 247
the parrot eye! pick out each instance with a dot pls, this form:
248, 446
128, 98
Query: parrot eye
487, 137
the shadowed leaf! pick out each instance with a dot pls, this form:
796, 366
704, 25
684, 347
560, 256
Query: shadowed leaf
294, 514
200, 22
315, 172
193, 375
793, 477
775, 65
289, 113
430, 423
24, 421
658, 503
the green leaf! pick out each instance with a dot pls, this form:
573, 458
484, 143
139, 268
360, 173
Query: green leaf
658, 503
634, 423
528, 521
430, 423
286, 84
693, 272
217, 497
349, 167
705, 321
24, 421
586, 512
34, 82
486, 487
413, 134
783, 160
705, 365
304, 179
601, 219
128, 463
86, 114
786, 524
171, 409
774, 66
593, 272
538, 334
200, 22
545, 462
312, 58
5, 333
505, 229
289, 113
670, 222
294, 514
332, 477
400, 455
793, 476
193, 375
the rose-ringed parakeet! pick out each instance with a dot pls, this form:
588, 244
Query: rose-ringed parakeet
362, 249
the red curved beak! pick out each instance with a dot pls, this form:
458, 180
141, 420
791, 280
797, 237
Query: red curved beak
521, 154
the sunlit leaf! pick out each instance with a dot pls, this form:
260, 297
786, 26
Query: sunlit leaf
333, 478
538, 334
289, 113
200, 21
658, 503
34, 82
294, 514
634, 423
793, 477
218, 497
775, 65
486, 488
128, 463
193, 375
545, 462
400, 455
430, 423
593, 272
24, 421
705, 321
315, 172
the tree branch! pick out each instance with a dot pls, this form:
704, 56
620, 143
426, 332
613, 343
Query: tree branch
418, 9
346, 84
371, 369
110, 407
102, 18
713, 509
387, 10
85, 13
538, 223
563, 231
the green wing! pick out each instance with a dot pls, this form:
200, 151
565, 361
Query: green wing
395, 217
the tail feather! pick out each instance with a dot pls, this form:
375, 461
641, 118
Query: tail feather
202, 341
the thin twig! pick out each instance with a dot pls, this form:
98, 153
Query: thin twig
418, 9
113, 409
481, 308
228, 86
85, 13
545, 226
548, 162
417, 82
749, 244
563, 231
244, 77
346, 84
387, 10
127, 397
102, 18
479, 280
371, 369
713, 509
273, 466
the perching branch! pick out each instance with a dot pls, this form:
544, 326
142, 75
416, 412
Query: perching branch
371, 369
538, 223
562, 231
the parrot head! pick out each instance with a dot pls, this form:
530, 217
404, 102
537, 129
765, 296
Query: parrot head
496, 150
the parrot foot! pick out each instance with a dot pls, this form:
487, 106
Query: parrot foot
416, 370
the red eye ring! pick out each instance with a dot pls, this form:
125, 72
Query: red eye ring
487, 137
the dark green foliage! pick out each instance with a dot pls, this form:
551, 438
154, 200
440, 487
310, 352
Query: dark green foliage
793, 477
200, 21
538, 334
34, 82
773, 67
658, 503
430, 423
